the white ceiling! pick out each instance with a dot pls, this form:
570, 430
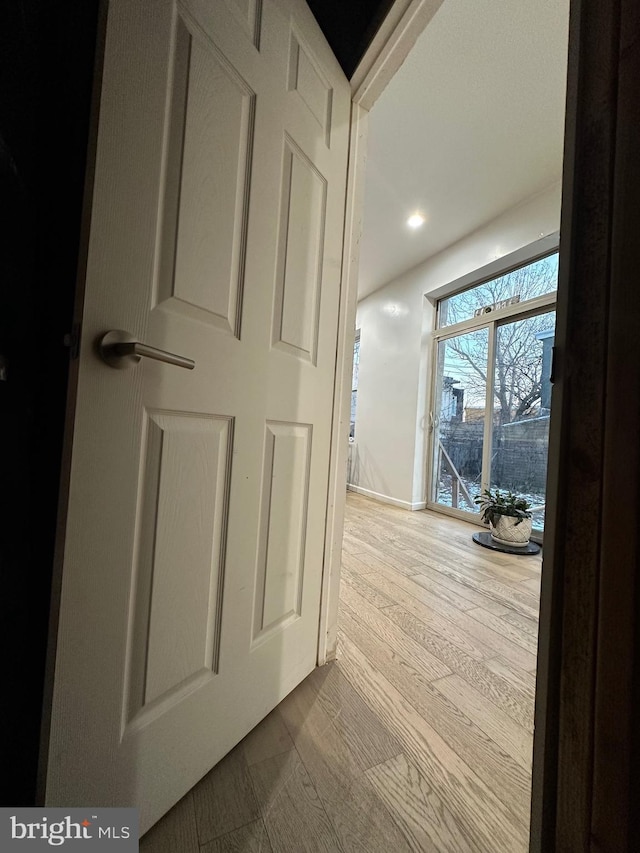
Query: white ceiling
471, 124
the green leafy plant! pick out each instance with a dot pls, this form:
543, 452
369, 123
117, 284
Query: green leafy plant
497, 502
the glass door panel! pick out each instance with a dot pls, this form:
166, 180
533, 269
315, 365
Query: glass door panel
458, 419
521, 408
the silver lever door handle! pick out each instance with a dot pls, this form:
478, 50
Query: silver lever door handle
120, 350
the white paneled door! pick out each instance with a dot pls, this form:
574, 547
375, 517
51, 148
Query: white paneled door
194, 544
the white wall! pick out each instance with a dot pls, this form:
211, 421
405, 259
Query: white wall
388, 456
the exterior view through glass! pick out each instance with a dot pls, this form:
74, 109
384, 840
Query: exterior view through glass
517, 286
522, 408
461, 391
498, 439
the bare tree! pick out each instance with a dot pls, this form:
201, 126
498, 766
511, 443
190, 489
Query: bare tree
518, 356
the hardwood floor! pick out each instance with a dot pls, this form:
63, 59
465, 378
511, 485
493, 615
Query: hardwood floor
419, 736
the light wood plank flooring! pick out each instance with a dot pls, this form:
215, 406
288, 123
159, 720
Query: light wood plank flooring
419, 736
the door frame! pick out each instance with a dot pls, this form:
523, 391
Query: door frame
511, 313
341, 416
404, 22
586, 762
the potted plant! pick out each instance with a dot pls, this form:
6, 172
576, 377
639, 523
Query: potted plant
508, 516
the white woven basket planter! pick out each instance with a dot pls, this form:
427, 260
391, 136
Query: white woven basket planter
507, 532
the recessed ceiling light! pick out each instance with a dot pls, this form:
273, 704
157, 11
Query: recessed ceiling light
416, 220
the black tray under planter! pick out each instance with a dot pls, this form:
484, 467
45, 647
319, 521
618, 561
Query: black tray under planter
484, 539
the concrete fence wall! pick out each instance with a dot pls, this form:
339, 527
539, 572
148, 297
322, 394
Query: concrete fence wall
519, 453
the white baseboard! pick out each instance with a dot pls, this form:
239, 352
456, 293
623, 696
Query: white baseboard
386, 499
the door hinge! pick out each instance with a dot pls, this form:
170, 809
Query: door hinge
72, 340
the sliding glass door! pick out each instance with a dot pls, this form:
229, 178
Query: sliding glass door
491, 405
459, 416
522, 407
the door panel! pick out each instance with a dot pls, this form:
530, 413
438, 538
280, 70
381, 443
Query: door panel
306, 78
283, 513
195, 537
461, 391
187, 557
207, 197
302, 211
522, 408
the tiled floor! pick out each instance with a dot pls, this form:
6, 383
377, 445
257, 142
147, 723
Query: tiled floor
418, 737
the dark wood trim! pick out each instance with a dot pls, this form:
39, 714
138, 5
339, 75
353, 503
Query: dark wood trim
617, 649
586, 242
588, 664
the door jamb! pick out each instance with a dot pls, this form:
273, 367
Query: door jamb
327, 639
397, 34
404, 22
